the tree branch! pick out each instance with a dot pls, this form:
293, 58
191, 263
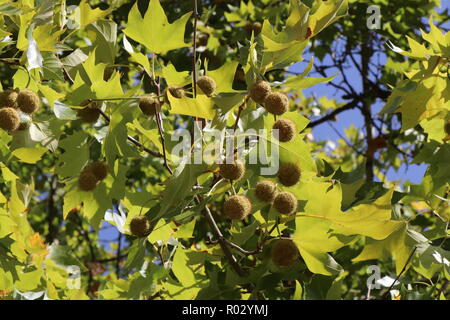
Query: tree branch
222, 241
330, 116
194, 49
400, 274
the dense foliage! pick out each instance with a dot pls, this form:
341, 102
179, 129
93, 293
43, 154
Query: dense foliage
108, 106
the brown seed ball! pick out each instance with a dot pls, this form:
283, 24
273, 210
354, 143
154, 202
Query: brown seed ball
447, 128
8, 98
289, 174
87, 181
237, 207
149, 105
259, 91
266, 191
286, 130
88, 115
232, 171
257, 27
284, 253
9, 119
276, 103
99, 169
285, 203
140, 226
207, 84
28, 101
177, 92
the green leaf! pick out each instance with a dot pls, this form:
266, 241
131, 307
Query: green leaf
181, 269
202, 106
298, 293
160, 36
399, 245
29, 155
85, 15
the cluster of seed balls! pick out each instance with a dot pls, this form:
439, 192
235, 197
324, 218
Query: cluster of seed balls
91, 175
238, 207
14, 101
275, 103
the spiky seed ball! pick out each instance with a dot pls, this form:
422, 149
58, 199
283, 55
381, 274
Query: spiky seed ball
99, 169
289, 174
8, 98
9, 119
177, 92
140, 226
88, 115
284, 253
87, 181
237, 207
266, 191
285, 203
28, 101
232, 171
149, 105
257, 27
286, 129
207, 84
447, 128
259, 91
276, 103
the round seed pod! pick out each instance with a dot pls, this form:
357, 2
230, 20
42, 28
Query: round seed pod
276, 103
9, 119
87, 181
207, 85
286, 129
99, 169
140, 226
237, 207
28, 101
285, 203
176, 92
255, 27
8, 98
149, 105
266, 191
88, 115
289, 174
232, 171
284, 253
259, 91
447, 128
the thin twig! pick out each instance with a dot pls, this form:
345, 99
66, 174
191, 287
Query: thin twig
241, 107
332, 115
119, 247
133, 140
400, 274
222, 241
159, 124
194, 49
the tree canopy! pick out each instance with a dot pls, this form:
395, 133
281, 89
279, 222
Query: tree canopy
188, 128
